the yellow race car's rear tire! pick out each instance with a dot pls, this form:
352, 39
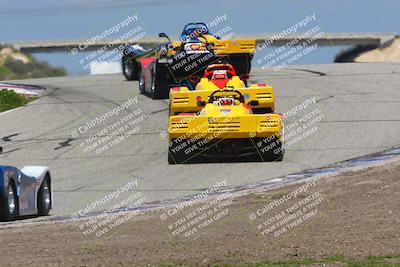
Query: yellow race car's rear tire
270, 148
171, 160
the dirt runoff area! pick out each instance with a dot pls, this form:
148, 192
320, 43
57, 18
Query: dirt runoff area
355, 214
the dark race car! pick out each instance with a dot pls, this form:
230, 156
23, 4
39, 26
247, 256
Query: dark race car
182, 63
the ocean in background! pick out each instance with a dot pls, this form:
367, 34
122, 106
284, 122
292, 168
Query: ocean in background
22, 20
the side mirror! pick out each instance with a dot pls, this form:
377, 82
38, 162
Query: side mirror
201, 103
253, 103
163, 34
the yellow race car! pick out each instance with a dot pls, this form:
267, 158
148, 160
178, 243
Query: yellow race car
219, 124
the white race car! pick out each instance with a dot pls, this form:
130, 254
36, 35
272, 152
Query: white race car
24, 192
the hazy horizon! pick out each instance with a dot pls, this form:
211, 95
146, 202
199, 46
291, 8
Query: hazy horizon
75, 19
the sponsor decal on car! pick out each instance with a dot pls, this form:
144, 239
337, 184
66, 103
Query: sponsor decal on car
225, 111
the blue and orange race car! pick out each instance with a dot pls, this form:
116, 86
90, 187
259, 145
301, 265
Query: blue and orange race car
24, 192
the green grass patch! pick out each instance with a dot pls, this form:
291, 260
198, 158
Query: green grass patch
381, 261
334, 260
10, 99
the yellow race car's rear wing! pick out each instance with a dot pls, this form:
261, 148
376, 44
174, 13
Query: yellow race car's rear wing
185, 101
224, 47
246, 126
234, 46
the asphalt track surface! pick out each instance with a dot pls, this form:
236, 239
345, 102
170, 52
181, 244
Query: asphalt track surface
360, 104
